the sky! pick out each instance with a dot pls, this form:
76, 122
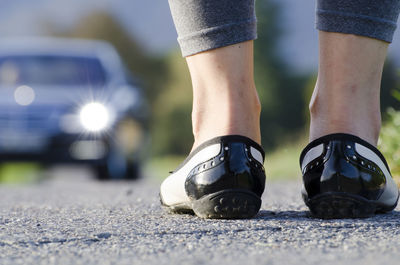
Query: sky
151, 24
149, 21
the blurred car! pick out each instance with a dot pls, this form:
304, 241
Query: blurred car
70, 101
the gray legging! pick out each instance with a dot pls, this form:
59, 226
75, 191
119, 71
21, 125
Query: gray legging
208, 24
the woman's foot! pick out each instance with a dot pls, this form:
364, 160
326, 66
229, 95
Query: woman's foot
346, 177
222, 178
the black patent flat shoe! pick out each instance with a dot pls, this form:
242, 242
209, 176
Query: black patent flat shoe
346, 177
222, 178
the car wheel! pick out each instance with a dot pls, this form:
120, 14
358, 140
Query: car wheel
117, 167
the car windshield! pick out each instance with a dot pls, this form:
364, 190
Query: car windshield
51, 70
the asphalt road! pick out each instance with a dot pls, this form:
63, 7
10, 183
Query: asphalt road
71, 219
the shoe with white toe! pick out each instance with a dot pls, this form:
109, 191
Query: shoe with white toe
222, 178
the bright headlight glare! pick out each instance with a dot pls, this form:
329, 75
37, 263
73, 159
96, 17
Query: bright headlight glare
94, 117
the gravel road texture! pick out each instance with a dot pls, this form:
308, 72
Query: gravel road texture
71, 219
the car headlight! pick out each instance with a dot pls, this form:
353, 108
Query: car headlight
94, 117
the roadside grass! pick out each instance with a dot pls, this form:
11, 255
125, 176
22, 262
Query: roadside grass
158, 168
19, 173
280, 164
389, 143
283, 163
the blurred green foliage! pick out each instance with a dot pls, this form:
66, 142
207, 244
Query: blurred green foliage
280, 89
20, 173
389, 141
172, 128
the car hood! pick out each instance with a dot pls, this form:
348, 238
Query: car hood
23, 96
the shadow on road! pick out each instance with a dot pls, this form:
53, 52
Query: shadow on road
380, 219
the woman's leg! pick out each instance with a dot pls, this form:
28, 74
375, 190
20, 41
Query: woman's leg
344, 174
354, 36
347, 95
223, 177
225, 100
216, 38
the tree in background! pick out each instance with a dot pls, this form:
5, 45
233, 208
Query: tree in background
172, 127
389, 142
390, 87
280, 90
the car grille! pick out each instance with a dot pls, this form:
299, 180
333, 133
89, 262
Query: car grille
30, 120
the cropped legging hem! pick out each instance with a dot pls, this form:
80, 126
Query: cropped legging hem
340, 22
217, 37
209, 24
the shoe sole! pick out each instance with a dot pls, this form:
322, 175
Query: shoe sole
340, 205
225, 204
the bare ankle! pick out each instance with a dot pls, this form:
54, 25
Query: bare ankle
346, 98
360, 118
225, 100
209, 125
